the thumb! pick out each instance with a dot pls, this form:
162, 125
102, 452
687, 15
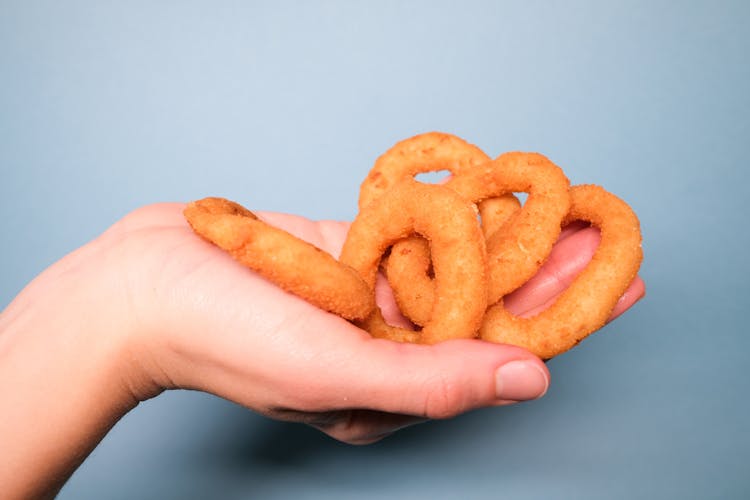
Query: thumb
435, 381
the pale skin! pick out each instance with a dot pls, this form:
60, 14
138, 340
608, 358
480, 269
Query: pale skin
149, 307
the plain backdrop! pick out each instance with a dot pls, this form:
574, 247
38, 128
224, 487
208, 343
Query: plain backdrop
106, 106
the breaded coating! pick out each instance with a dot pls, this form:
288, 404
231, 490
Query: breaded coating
449, 222
587, 303
450, 251
294, 265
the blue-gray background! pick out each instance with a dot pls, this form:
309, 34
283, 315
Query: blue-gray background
106, 106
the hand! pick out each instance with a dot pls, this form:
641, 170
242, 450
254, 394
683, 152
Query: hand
148, 306
224, 330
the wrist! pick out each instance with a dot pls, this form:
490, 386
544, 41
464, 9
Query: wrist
65, 380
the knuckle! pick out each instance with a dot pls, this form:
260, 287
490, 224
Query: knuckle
444, 399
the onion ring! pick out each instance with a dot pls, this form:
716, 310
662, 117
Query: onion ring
516, 252
422, 153
450, 224
523, 245
409, 276
444, 267
293, 264
432, 152
587, 303
410, 273
495, 212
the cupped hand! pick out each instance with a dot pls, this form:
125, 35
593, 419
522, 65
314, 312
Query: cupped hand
149, 306
204, 322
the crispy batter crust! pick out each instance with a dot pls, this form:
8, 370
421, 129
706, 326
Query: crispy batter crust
430, 152
293, 264
585, 306
450, 224
408, 267
516, 252
443, 267
409, 263
495, 212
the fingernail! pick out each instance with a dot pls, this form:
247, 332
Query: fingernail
520, 381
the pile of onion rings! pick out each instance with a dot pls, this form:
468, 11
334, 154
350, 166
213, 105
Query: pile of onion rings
450, 251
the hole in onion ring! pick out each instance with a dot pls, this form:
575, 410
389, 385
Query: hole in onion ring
435, 177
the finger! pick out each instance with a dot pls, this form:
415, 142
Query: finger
437, 381
319, 363
572, 228
367, 426
351, 426
404, 384
571, 254
568, 258
635, 292
386, 301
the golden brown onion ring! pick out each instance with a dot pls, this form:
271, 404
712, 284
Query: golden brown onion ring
584, 306
291, 263
429, 152
514, 253
450, 224
409, 271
